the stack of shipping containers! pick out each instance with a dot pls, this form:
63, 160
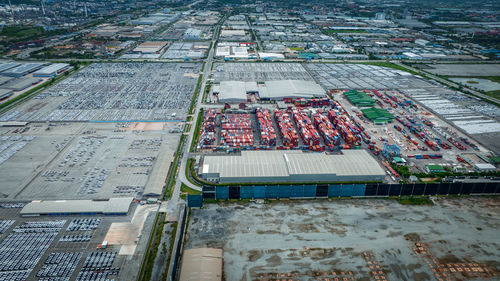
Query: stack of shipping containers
287, 132
267, 132
207, 131
309, 134
236, 130
330, 135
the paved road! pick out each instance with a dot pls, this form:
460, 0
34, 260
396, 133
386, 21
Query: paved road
175, 199
448, 83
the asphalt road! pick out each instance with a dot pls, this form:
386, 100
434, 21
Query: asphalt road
173, 203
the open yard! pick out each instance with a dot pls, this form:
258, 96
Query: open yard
454, 239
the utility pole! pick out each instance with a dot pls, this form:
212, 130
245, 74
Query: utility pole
11, 10
43, 8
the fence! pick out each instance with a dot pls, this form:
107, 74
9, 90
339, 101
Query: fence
341, 190
173, 269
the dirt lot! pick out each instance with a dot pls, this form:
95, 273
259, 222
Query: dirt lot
456, 239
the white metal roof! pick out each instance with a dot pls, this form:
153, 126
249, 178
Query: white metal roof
293, 88
51, 68
281, 163
113, 205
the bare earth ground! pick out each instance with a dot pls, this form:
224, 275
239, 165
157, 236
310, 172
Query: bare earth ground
145, 126
126, 234
456, 239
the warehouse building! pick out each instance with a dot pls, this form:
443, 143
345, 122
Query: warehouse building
52, 70
280, 89
113, 206
8, 65
201, 264
192, 34
151, 47
236, 91
21, 83
291, 166
23, 69
5, 93
4, 79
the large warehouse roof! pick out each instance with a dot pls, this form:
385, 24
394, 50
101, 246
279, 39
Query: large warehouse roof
106, 207
202, 264
236, 91
292, 88
293, 165
51, 69
23, 69
8, 65
21, 83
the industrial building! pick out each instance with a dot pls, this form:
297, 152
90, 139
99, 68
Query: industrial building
236, 51
201, 264
113, 206
4, 79
21, 83
8, 65
5, 93
291, 166
192, 34
51, 70
23, 69
150, 47
236, 91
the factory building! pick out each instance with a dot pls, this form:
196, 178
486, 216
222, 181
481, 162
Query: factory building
8, 65
5, 93
291, 166
21, 83
23, 69
280, 89
192, 34
150, 47
52, 70
236, 91
113, 206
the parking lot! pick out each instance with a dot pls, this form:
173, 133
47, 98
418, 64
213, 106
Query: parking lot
40, 248
259, 72
462, 69
87, 160
115, 92
302, 240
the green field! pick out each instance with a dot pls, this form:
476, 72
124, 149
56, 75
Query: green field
19, 31
494, 94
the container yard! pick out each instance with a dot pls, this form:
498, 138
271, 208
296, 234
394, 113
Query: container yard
236, 130
329, 239
396, 128
469, 115
374, 110
85, 160
115, 92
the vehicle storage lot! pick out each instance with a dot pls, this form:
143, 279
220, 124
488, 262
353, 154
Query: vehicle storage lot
115, 91
306, 240
46, 254
259, 72
463, 69
470, 115
87, 160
